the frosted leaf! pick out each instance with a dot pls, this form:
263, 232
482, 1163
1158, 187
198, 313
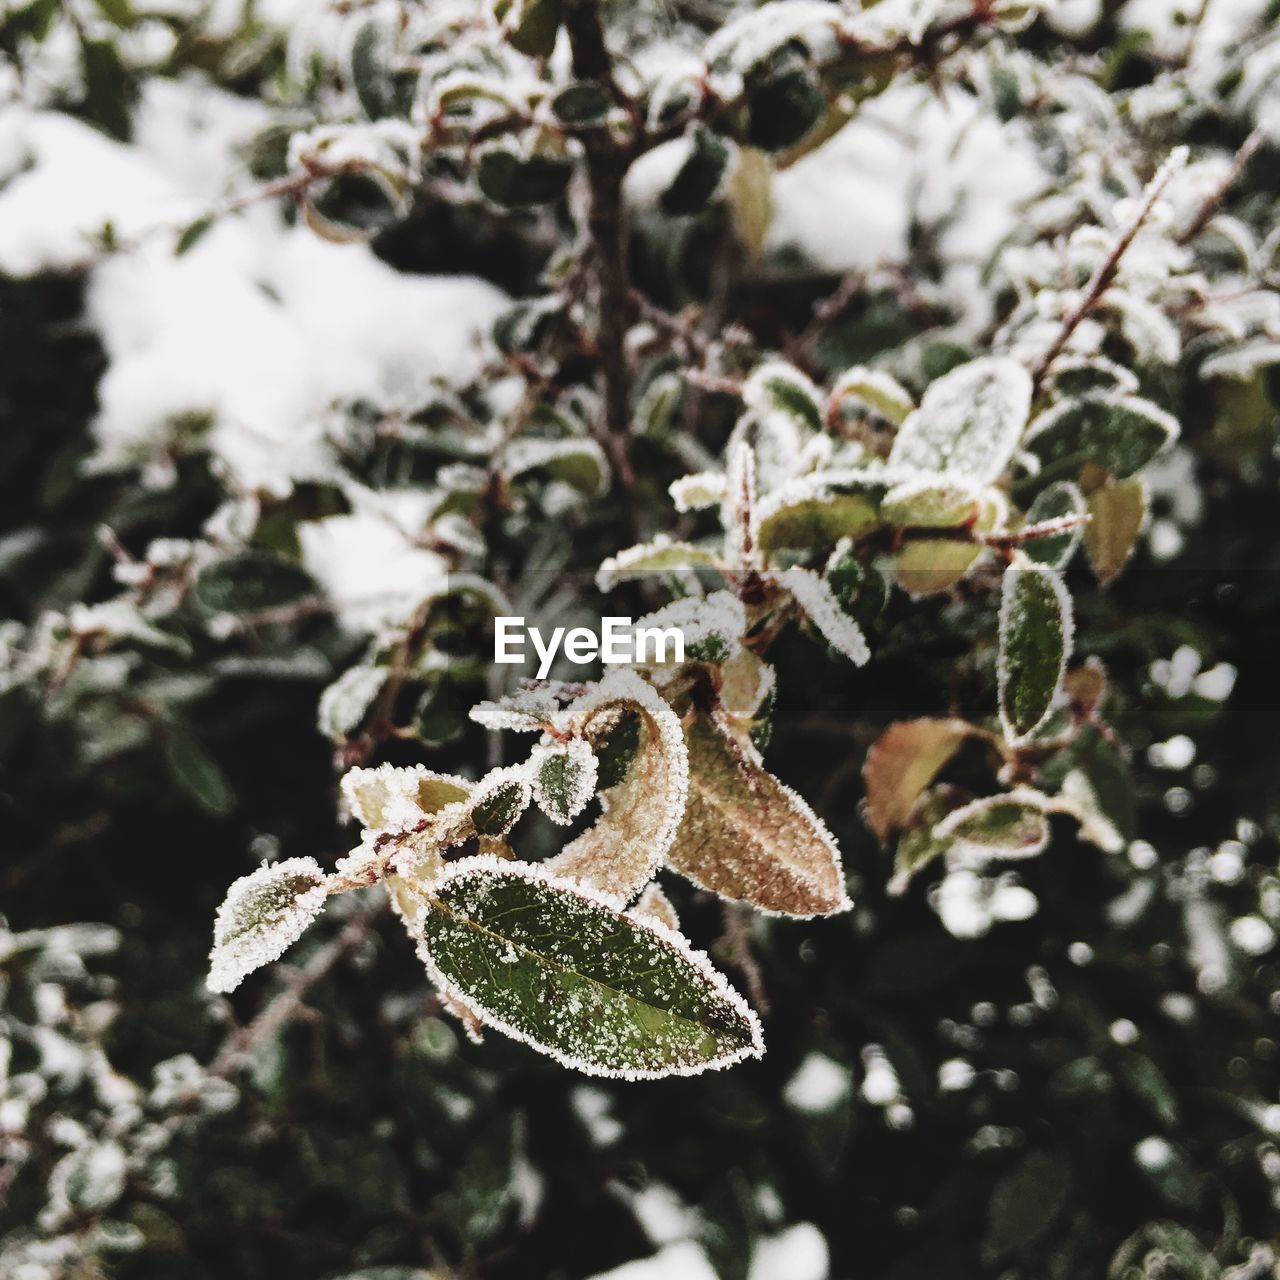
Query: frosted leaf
698, 491
748, 837
741, 45
653, 904
89, 1180
926, 566
918, 847
392, 798
1242, 363
121, 619
935, 502
1035, 643
263, 914
712, 626
738, 512
1117, 511
564, 778
876, 390
1011, 825
809, 515
662, 555
778, 387
578, 462
902, 762
1060, 501
499, 798
1080, 375
968, 422
599, 991
527, 710
1116, 432
746, 685
642, 787
1079, 798
1147, 328
346, 702
822, 609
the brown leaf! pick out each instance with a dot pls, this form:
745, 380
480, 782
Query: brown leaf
655, 905
747, 837
902, 762
1117, 510
641, 812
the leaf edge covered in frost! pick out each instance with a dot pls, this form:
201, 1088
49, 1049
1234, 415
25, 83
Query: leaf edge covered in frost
698, 961
229, 964
1012, 576
964, 379
622, 686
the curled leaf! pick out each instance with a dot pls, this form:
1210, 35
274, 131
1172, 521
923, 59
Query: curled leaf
1012, 825
641, 811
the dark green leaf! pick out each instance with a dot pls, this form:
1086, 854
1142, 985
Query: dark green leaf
1025, 1203
699, 177
1121, 434
520, 182
594, 988
1035, 642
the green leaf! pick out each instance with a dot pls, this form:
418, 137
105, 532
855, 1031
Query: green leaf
1119, 433
263, 914
599, 991
521, 182
197, 773
498, 801
192, 234
969, 421
918, 845
107, 89
783, 104
119, 12
583, 103
698, 179
1025, 1203
1053, 503
252, 583
346, 702
564, 779
1000, 826
776, 386
817, 520
1035, 643
531, 25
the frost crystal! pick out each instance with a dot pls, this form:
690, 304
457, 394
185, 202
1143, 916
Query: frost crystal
659, 556
969, 421
821, 607
263, 914
640, 813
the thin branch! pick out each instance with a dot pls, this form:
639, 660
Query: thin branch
606, 167
290, 1002
1215, 197
1105, 274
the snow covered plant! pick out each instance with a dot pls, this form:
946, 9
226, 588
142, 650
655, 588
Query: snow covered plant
916, 362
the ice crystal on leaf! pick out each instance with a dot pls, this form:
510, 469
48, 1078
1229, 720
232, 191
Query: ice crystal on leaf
819, 604
263, 914
641, 808
1035, 642
660, 555
564, 778
969, 421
